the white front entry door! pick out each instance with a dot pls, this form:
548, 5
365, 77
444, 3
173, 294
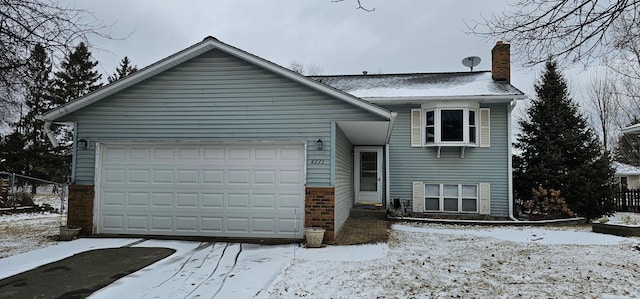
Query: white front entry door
368, 175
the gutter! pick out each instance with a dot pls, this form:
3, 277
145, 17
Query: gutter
392, 120
422, 99
47, 130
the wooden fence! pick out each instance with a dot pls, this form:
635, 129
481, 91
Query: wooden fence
628, 200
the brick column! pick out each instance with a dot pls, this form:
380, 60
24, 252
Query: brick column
81, 208
319, 210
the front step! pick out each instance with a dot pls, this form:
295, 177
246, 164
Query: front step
368, 211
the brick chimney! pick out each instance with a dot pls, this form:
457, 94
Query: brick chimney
501, 62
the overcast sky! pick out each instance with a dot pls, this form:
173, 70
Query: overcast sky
398, 37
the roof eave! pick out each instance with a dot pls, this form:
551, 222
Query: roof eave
423, 99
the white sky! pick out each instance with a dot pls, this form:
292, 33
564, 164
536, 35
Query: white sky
401, 36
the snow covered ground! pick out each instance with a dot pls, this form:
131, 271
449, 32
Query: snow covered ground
419, 261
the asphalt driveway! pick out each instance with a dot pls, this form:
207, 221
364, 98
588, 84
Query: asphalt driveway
138, 268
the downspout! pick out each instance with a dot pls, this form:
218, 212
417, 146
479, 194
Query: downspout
386, 159
512, 105
47, 130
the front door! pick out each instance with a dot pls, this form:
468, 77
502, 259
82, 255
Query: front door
368, 175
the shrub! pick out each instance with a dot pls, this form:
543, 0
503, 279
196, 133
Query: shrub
548, 203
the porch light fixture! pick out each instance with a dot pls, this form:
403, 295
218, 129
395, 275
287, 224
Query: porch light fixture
319, 144
83, 143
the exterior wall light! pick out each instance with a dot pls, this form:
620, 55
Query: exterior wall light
320, 144
83, 144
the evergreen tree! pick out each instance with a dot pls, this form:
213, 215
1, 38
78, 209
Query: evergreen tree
76, 78
559, 151
124, 69
628, 148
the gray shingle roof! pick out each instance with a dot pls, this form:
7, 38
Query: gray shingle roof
420, 85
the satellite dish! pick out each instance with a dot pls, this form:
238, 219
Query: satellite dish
471, 61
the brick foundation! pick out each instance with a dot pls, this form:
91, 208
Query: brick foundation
319, 210
81, 208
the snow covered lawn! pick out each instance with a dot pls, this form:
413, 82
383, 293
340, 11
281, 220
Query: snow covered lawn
444, 261
25, 232
419, 261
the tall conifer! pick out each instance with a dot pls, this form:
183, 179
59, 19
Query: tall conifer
558, 150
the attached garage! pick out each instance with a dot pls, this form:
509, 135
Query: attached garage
222, 190
213, 141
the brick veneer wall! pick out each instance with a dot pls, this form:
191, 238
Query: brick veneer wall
81, 208
319, 210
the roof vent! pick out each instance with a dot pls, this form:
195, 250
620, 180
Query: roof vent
365, 73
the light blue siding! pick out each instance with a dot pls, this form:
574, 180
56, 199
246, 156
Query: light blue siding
215, 97
344, 179
479, 165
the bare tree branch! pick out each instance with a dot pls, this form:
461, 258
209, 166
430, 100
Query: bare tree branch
25, 23
359, 5
574, 31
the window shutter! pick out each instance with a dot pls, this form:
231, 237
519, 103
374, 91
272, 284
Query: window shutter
418, 197
485, 127
485, 198
416, 128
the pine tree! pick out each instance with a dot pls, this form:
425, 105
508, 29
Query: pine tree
77, 76
124, 69
559, 151
628, 148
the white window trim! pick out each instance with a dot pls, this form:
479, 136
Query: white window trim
419, 125
441, 198
466, 139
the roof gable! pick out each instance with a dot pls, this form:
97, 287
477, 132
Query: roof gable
208, 44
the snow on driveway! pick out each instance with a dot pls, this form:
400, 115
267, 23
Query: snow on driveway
419, 261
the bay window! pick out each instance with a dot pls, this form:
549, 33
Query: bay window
450, 124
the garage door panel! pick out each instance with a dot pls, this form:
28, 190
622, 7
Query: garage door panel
188, 176
239, 153
113, 222
138, 199
161, 200
228, 191
162, 176
187, 200
211, 224
267, 200
237, 224
137, 222
139, 176
238, 200
263, 225
213, 200
215, 177
143, 153
114, 176
161, 223
238, 176
267, 177
187, 224
113, 199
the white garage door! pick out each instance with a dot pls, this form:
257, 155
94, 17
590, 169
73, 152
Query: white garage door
248, 190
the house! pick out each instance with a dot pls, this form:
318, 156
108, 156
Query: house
626, 176
214, 141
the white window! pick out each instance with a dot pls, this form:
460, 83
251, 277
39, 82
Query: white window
461, 124
458, 198
450, 126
